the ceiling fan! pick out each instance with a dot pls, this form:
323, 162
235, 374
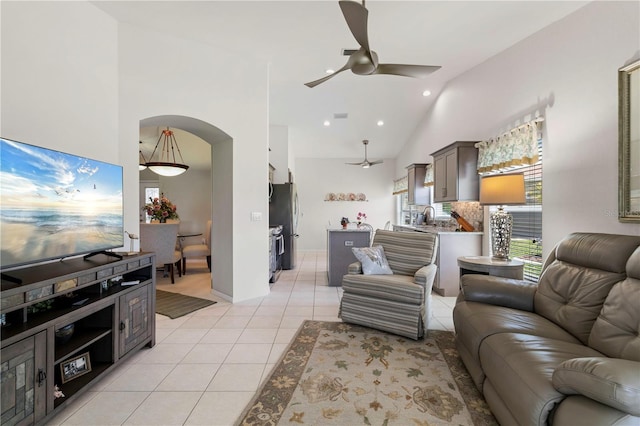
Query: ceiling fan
365, 164
364, 61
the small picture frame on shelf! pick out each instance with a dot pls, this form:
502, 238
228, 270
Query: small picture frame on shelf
75, 367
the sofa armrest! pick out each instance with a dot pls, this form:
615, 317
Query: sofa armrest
355, 268
425, 276
507, 292
611, 381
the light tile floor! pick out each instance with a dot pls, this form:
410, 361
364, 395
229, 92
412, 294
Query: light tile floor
206, 366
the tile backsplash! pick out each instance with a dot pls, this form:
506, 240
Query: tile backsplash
472, 211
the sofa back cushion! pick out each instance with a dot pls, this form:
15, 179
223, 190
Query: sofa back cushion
574, 286
617, 328
407, 252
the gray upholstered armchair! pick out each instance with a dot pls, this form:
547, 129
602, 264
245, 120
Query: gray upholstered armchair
161, 238
398, 303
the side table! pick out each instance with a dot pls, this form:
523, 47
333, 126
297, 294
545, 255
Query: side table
487, 265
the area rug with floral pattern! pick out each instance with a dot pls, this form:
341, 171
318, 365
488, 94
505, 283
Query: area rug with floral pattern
343, 374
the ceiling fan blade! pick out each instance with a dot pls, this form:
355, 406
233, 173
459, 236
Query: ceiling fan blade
373, 163
350, 63
320, 80
356, 16
355, 164
416, 71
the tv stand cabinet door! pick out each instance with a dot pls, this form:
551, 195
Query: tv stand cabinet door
24, 381
135, 318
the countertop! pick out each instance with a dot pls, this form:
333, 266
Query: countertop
438, 229
348, 229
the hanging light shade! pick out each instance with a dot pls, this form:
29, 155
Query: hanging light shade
167, 164
142, 162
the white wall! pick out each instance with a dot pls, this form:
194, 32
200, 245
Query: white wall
567, 73
75, 80
318, 177
196, 80
60, 78
191, 192
279, 154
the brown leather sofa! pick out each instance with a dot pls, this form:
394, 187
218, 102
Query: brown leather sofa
564, 351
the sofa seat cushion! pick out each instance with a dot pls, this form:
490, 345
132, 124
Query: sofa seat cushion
476, 321
583, 411
520, 368
399, 288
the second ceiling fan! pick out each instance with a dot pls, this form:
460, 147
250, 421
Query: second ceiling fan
364, 61
365, 164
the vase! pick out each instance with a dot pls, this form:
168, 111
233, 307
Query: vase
344, 226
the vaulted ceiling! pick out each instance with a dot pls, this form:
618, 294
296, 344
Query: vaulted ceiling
302, 39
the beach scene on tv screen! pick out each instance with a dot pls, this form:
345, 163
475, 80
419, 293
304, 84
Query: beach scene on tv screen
54, 204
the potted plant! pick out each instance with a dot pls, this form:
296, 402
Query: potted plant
344, 222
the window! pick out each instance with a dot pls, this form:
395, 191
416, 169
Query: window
150, 193
526, 237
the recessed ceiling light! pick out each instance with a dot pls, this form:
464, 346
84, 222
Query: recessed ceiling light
327, 123
426, 93
329, 71
380, 123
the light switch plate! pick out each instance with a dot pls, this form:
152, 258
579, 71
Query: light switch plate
256, 216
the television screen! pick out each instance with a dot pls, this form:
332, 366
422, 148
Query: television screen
54, 205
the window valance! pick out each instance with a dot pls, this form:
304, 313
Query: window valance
428, 176
518, 147
401, 185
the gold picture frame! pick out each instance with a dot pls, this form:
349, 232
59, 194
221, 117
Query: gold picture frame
629, 143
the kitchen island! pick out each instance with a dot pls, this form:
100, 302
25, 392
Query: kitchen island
451, 245
339, 254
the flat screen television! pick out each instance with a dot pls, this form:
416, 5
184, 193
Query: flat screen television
55, 205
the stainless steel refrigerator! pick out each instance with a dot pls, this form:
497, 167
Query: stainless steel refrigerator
284, 210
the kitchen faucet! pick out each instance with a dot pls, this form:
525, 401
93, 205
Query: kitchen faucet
427, 217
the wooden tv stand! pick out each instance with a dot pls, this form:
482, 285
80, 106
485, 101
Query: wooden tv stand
111, 319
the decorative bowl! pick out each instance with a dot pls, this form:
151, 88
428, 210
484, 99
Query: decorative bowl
64, 334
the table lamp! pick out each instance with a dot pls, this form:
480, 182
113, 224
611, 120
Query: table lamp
500, 190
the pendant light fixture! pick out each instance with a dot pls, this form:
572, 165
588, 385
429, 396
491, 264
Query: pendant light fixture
166, 164
142, 162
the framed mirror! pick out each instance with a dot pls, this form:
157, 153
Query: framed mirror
629, 143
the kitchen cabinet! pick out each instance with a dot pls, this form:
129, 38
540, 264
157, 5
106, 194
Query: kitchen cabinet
107, 304
339, 253
455, 173
451, 245
418, 193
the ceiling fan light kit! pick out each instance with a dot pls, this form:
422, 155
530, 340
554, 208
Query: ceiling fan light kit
364, 61
365, 164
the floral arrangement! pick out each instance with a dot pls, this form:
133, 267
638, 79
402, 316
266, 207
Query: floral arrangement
361, 217
161, 209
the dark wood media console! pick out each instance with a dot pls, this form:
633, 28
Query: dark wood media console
108, 303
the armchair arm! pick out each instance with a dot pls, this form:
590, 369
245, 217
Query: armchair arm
425, 276
611, 381
499, 291
355, 268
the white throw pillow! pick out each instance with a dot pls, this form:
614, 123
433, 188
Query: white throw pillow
373, 260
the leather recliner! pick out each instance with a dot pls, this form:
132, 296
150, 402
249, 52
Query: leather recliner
564, 351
